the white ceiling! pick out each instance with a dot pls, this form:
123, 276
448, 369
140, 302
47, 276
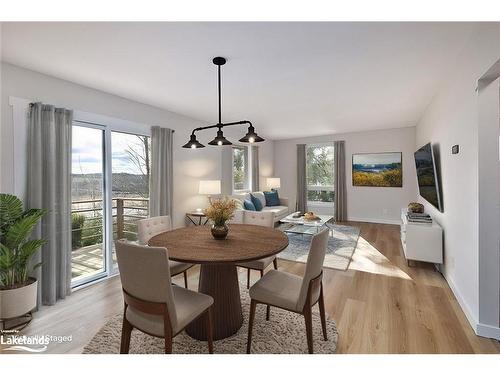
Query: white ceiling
289, 79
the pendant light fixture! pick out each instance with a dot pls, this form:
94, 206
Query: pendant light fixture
251, 136
193, 143
220, 140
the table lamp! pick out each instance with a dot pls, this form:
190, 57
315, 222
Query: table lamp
273, 183
209, 187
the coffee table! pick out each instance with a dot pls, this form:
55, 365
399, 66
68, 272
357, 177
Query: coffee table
303, 226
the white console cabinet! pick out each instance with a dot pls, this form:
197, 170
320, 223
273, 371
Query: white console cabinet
422, 242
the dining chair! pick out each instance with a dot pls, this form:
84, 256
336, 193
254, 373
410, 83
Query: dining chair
265, 219
152, 226
294, 293
153, 304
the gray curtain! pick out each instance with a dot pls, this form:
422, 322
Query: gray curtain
301, 179
161, 184
49, 187
340, 208
255, 168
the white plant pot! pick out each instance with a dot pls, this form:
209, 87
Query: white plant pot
19, 301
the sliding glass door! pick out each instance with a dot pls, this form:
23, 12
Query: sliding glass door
130, 163
110, 193
88, 227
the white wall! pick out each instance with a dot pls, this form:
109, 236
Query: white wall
372, 204
189, 165
266, 159
452, 118
489, 199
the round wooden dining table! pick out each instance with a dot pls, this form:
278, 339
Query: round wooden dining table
218, 273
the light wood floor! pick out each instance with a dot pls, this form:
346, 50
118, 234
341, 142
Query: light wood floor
380, 305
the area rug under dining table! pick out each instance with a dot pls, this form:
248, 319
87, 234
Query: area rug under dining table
284, 333
341, 246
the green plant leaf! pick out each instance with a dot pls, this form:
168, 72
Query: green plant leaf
27, 250
15, 248
21, 229
11, 209
6, 257
7, 264
30, 247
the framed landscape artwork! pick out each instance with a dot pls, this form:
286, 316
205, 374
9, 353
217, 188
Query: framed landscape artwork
384, 169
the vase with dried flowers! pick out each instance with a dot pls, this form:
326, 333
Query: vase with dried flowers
220, 211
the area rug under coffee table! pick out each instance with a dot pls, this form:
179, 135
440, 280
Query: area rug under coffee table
341, 245
284, 334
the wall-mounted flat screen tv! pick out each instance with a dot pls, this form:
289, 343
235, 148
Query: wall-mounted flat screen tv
428, 182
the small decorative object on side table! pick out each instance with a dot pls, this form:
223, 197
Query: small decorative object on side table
197, 214
415, 207
220, 211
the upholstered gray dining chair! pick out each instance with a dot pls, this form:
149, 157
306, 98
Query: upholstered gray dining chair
294, 293
152, 226
265, 219
152, 304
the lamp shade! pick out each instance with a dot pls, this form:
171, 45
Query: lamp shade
273, 183
209, 187
251, 136
220, 140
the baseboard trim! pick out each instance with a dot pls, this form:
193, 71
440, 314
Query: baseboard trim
463, 305
377, 221
480, 329
488, 331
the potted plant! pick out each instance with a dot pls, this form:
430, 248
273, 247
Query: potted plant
220, 211
18, 291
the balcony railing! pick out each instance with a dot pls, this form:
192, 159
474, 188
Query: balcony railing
87, 216
88, 231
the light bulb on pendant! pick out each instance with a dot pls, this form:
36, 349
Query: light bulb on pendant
193, 143
251, 136
219, 140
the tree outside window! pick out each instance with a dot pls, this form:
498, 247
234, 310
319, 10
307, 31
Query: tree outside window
240, 168
319, 172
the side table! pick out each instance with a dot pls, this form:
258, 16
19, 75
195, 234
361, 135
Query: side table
199, 215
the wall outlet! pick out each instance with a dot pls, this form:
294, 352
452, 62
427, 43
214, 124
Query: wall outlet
385, 211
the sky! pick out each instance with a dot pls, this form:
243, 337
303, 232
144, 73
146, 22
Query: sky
382, 158
87, 154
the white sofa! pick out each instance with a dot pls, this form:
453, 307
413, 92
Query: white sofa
279, 212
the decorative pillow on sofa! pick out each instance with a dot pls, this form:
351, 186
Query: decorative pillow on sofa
238, 203
272, 198
260, 196
256, 202
249, 205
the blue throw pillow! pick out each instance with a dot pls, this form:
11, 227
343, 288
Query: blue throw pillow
247, 203
256, 202
272, 198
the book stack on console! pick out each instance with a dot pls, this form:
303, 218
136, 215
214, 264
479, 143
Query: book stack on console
418, 218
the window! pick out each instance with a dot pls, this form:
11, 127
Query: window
241, 180
319, 173
109, 192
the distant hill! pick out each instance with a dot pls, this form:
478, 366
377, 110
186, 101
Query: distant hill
125, 184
